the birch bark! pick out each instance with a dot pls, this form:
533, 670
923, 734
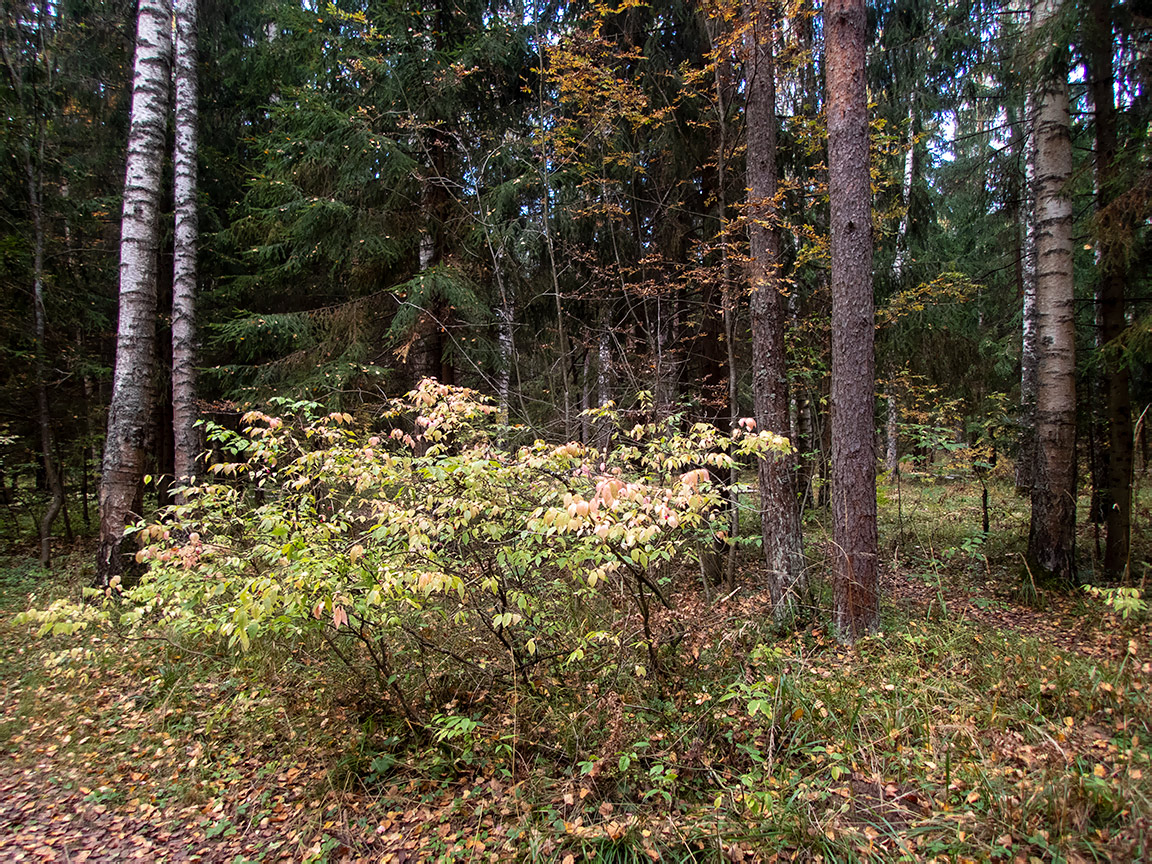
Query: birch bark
186, 442
1026, 460
132, 380
1052, 533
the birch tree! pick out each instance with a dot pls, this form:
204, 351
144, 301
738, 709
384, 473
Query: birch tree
1026, 459
1052, 533
132, 381
185, 439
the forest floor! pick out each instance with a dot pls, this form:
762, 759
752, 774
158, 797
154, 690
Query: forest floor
975, 728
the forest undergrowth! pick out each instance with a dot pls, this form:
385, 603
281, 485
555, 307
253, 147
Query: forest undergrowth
974, 727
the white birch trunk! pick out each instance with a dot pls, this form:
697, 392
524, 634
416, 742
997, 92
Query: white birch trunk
1052, 535
1026, 461
132, 380
901, 259
186, 442
506, 338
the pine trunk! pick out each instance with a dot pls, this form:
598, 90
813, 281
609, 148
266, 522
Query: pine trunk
857, 604
132, 381
186, 442
1052, 534
779, 512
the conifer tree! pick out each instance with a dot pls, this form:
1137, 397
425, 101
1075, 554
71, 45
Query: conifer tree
856, 608
779, 510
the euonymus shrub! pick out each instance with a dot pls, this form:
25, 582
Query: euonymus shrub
430, 553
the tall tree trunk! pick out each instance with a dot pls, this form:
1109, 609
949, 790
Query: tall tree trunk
1110, 298
586, 396
662, 324
505, 337
604, 395
132, 381
779, 509
1052, 534
85, 451
892, 431
822, 417
857, 601
728, 298
186, 443
900, 262
1026, 458
899, 265
51, 472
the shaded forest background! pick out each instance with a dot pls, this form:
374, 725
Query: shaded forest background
548, 203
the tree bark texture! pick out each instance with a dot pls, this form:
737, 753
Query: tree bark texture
779, 509
1052, 534
186, 442
856, 598
900, 262
132, 380
1026, 458
1110, 300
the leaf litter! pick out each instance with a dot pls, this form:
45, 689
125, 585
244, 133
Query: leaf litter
1025, 737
